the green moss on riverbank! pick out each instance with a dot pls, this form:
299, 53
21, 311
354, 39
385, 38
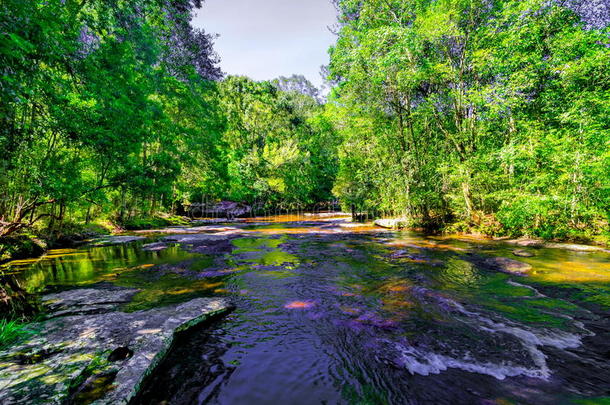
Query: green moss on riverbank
155, 221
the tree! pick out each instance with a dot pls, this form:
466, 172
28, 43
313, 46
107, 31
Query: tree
485, 113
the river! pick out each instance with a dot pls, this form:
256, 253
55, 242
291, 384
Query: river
332, 312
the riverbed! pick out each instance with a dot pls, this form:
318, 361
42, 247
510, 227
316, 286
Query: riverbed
333, 312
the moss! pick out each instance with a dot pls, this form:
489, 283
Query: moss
156, 221
98, 366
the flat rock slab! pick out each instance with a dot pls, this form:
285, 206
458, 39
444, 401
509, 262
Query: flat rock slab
218, 221
576, 248
117, 240
198, 238
87, 301
155, 247
534, 243
67, 357
188, 230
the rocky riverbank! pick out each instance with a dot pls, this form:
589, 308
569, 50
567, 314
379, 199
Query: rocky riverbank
88, 350
401, 223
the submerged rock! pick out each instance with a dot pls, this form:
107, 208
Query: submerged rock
101, 358
507, 265
198, 238
523, 253
415, 257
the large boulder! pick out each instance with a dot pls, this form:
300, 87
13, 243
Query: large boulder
223, 209
89, 351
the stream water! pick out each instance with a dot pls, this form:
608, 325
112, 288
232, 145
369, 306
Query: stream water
328, 312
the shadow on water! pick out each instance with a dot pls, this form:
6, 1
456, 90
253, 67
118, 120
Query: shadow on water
328, 313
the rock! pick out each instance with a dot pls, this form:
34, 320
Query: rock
183, 230
226, 209
392, 223
535, 243
103, 357
327, 214
507, 265
212, 221
346, 225
576, 248
523, 253
117, 240
155, 247
197, 238
403, 254
87, 301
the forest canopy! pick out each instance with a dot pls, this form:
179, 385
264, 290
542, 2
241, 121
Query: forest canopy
482, 115
118, 110
490, 116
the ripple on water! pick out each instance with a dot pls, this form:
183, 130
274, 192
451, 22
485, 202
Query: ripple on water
344, 317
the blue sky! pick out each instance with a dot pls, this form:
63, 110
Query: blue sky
264, 39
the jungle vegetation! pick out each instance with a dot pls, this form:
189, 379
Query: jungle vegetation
463, 115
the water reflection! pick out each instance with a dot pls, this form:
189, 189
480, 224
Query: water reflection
156, 273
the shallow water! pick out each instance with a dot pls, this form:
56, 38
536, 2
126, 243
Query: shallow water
336, 314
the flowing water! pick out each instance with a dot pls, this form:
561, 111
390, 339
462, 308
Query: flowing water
328, 312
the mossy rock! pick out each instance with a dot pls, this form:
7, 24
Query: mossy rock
102, 357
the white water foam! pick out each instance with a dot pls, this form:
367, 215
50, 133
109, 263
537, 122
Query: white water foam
422, 362
426, 363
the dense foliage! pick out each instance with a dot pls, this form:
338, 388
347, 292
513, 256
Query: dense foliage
93, 102
115, 109
487, 114
279, 146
